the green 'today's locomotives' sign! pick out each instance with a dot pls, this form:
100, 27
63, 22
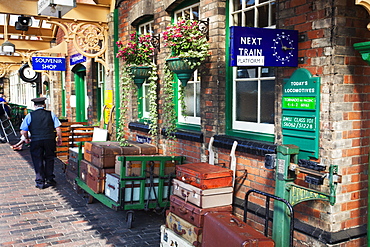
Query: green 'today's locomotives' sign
301, 113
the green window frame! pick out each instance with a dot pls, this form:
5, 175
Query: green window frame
143, 102
250, 91
190, 9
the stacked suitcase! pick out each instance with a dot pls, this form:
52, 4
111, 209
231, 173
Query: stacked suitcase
199, 188
100, 158
71, 169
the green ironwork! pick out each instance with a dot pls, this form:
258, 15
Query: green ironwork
286, 188
140, 74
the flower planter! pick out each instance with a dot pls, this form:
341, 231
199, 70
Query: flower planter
140, 74
181, 68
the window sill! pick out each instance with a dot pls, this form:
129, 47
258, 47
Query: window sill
259, 148
195, 136
139, 126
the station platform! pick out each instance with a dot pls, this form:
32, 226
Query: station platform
59, 216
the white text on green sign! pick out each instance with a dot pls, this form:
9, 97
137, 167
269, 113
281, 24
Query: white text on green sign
302, 123
308, 103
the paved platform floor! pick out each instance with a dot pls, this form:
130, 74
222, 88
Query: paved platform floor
59, 216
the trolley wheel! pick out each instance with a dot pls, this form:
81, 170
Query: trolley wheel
129, 218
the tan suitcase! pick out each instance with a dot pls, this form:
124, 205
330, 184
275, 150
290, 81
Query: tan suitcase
170, 239
184, 229
203, 198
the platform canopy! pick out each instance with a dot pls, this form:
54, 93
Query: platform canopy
38, 33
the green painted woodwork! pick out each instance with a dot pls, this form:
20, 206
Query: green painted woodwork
301, 113
117, 85
364, 49
79, 75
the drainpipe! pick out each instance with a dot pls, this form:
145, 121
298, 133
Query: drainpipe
116, 72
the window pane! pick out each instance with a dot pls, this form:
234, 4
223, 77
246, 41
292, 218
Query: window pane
237, 5
250, 3
246, 72
197, 92
237, 19
189, 99
267, 101
195, 12
273, 14
263, 17
146, 98
246, 101
249, 18
267, 72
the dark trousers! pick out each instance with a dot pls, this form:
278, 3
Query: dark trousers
43, 153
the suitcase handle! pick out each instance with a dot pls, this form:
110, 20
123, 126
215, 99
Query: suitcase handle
87, 151
187, 180
186, 195
183, 210
111, 186
177, 231
95, 155
236, 221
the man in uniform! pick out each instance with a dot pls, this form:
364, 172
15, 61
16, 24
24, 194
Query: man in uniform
42, 125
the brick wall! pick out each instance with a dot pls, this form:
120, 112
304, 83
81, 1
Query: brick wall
331, 29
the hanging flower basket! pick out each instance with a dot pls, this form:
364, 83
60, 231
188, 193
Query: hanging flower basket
140, 74
182, 67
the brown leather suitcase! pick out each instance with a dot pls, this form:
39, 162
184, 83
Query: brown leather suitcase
83, 170
73, 156
145, 148
71, 171
204, 175
103, 154
184, 229
96, 177
87, 151
192, 213
225, 229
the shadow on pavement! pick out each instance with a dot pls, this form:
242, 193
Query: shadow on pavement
59, 215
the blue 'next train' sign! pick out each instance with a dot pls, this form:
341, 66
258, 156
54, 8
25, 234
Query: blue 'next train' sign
263, 47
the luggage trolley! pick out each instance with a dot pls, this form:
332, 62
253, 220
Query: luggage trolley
141, 182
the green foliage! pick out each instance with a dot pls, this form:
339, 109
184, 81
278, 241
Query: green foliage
186, 40
168, 105
152, 96
127, 86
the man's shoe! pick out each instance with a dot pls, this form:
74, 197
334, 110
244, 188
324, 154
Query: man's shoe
51, 182
40, 186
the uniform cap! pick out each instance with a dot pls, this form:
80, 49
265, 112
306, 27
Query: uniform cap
40, 100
